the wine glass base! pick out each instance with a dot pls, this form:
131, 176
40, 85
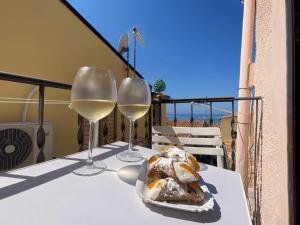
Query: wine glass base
202, 166
90, 170
129, 156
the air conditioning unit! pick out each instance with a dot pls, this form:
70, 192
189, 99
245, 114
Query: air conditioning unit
18, 144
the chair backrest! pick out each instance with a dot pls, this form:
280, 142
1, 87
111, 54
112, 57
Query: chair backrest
196, 140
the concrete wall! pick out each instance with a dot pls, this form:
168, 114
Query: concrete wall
44, 38
271, 83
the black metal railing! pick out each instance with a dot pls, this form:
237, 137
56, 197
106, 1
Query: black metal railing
103, 129
157, 104
153, 117
33, 80
209, 101
255, 127
41, 137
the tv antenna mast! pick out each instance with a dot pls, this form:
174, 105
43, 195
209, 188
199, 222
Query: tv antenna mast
124, 48
136, 36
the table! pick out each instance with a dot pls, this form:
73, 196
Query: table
49, 193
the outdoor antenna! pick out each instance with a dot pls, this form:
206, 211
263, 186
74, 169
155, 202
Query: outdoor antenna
123, 47
137, 36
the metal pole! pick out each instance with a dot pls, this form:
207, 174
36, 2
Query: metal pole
255, 164
233, 136
210, 110
127, 69
175, 118
192, 114
80, 133
134, 56
41, 137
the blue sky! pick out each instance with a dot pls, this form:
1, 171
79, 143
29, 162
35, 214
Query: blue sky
193, 45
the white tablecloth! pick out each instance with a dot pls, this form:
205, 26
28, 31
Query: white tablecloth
49, 193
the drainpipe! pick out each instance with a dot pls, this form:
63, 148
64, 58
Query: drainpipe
243, 106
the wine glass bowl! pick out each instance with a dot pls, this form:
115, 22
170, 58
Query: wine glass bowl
135, 111
93, 96
134, 100
93, 93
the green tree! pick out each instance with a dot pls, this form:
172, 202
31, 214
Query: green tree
159, 86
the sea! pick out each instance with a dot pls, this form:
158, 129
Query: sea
215, 116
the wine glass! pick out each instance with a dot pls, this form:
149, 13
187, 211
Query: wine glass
93, 96
134, 100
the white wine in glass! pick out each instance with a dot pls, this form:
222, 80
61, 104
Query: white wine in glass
134, 111
134, 100
93, 96
93, 109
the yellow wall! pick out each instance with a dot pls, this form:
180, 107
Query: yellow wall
225, 127
43, 38
164, 114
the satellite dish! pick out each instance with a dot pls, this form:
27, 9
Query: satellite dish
123, 44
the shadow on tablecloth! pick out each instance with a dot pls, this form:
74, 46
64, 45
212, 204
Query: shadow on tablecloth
29, 182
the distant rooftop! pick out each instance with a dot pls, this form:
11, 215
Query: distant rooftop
187, 123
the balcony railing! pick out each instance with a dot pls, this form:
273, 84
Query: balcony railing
41, 137
254, 184
155, 117
105, 135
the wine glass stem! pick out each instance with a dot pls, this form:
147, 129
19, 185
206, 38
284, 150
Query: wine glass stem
91, 144
131, 130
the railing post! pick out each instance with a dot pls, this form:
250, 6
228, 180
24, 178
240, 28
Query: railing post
255, 213
146, 130
210, 114
41, 137
233, 136
192, 114
123, 127
175, 118
115, 111
80, 133
105, 130
150, 127
135, 132
157, 114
